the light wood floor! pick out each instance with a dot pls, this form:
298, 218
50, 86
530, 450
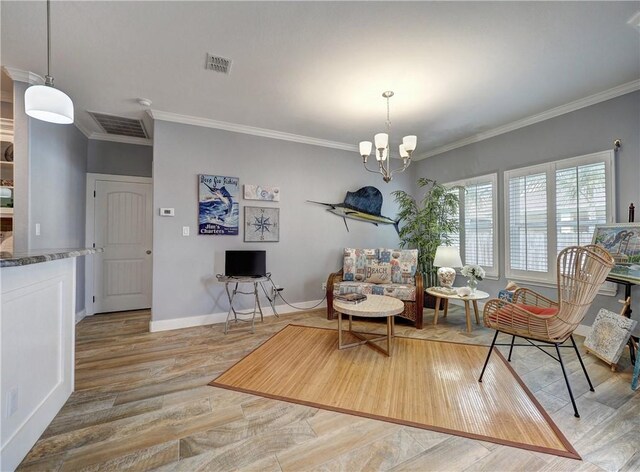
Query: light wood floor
142, 402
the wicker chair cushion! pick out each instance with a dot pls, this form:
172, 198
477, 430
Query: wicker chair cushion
505, 313
400, 291
539, 310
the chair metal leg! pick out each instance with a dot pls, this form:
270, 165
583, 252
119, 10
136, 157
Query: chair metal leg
566, 379
513, 338
584, 369
488, 356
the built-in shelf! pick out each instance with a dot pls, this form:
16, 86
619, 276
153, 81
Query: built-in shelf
6, 211
6, 163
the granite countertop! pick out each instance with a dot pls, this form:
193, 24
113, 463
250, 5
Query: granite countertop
36, 256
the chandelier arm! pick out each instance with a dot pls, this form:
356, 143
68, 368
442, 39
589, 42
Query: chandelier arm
400, 169
370, 170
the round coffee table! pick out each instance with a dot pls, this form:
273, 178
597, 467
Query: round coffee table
478, 295
375, 306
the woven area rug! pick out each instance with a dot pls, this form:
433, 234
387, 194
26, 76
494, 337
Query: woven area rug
425, 384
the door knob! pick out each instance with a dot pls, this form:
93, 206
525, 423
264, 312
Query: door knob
148, 251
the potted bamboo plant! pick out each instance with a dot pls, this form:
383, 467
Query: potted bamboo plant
427, 223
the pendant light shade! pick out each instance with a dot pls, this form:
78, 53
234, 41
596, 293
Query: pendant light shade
46, 103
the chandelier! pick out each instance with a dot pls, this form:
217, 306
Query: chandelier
383, 156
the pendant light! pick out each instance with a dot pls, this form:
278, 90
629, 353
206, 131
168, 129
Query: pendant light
44, 102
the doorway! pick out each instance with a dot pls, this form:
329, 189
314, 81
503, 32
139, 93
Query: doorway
119, 220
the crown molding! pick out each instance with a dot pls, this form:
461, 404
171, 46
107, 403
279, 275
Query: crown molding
545, 115
120, 139
84, 130
244, 129
20, 75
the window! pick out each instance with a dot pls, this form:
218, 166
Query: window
552, 206
478, 236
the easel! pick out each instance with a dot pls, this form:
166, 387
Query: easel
626, 308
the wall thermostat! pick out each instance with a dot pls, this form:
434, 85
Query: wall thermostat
167, 212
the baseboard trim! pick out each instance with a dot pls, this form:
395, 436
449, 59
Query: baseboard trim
80, 315
213, 318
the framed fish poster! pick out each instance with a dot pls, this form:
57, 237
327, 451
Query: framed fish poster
218, 207
261, 224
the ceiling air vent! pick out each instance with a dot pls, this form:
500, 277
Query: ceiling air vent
120, 125
218, 64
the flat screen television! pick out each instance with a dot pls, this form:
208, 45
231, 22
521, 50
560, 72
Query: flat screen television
245, 263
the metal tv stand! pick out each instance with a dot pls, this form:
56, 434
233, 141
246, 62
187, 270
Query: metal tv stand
236, 315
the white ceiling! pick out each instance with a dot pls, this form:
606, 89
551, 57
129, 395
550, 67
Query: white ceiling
318, 69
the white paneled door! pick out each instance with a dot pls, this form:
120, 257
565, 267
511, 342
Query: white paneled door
122, 273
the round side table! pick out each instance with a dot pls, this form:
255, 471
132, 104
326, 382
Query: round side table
478, 295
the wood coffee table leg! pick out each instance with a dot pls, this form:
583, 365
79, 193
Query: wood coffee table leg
389, 334
436, 310
446, 307
467, 312
475, 308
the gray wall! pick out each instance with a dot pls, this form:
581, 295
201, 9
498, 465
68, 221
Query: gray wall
57, 182
20, 170
311, 239
584, 131
106, 157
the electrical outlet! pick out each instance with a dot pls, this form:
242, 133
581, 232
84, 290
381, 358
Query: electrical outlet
185, 231
37, 229
275, 290
324, 285
12, 402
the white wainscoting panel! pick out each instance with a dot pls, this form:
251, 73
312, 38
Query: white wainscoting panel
37, 332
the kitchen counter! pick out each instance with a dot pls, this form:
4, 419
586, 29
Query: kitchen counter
43, 255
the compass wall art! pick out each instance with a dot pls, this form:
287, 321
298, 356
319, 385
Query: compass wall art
261, 224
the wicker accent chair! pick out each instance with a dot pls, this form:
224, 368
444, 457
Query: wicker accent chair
412, 309
581, 272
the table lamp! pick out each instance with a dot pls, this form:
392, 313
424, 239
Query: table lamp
447, 257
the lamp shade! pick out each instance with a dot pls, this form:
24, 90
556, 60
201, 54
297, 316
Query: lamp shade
365, 148
403, 152
383, 156
381, 140
410, 142
447, 256
46, 103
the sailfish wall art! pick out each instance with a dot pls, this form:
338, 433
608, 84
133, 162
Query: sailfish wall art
364, 204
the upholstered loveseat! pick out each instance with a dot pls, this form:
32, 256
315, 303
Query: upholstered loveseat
381, 271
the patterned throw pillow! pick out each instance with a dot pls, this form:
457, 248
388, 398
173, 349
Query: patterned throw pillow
378, 273
404, 263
